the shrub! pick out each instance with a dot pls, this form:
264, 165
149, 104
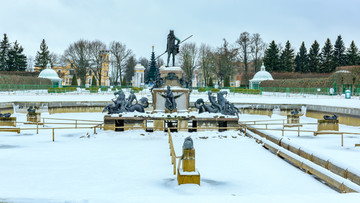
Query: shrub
201, 89
93, 81
104, 89
92, 89
74, 81
246, 91
61, 89
136, 89
215, 90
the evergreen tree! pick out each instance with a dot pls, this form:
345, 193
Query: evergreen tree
130, 68
352, 55
4, 53
74, 81
327, 62
16, 59
152, 68
314, 57
123, 82
272, 59
339, 52
93, 81
211, 83
287, 58
43, 56
301, 60
227, 81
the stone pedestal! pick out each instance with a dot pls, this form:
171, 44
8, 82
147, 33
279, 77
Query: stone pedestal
123, 123
188, 174
328, 125
182, 102
293, 119
10, 121
171, 75
34, 117
188, 160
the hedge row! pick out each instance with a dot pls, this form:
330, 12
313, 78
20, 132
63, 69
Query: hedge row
61, 89
303, 83
23, 80
245, 91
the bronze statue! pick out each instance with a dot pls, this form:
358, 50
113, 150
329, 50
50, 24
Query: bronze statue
170, 99
121, 104
171, 47
218, 105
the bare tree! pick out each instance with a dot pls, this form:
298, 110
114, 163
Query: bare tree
188, 58
54, 58
79, 56
98, 58
225, 59
244, 49
206, 62
119, 55
257, 49
160, 62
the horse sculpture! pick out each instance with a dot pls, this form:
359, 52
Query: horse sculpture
218, 105
121, 104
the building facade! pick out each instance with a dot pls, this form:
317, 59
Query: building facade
67, 70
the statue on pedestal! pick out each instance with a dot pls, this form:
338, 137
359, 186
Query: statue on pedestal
172, 48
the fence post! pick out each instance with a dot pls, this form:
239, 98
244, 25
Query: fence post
75, 123
53, 135
43, 122
37, 127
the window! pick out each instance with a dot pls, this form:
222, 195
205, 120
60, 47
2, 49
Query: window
89, 72
72, 72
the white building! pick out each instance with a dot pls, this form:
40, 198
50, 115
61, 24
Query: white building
51, 74
259, 77
138, 78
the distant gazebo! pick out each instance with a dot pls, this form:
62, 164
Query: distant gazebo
259, 77
50, 74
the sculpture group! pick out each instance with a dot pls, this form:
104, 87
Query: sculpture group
217, 105
5, 115
122, 104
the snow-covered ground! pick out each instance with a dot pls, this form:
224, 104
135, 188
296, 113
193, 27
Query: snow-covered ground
326, 146
134, 166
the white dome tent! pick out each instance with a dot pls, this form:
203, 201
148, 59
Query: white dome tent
51, 74
259, 77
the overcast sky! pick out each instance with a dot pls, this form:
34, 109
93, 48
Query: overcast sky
142, 23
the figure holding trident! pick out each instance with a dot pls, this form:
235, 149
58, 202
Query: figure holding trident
171, 47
